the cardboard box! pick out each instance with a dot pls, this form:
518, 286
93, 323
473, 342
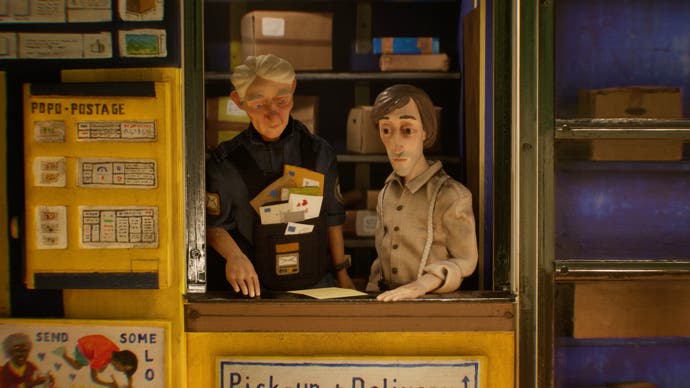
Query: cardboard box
304, 39
362, 135
372, 199
306, 110
360, 223
637, 149
631, 309
406, 45
634, 102
361, 199
224, 119
414, 62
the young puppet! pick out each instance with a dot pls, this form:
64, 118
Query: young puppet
425, 232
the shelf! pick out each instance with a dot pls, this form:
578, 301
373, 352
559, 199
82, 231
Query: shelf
586, 129
581, 270
286, 312
383, 158
345, 76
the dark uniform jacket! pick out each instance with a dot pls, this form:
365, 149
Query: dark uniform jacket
239, 169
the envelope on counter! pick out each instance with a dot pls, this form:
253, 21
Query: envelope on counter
304, 177
309, 204
272, 192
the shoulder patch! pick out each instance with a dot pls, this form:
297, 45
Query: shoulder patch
337, 194
213, 204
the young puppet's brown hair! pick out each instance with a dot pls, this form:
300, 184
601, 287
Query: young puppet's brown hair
399, 95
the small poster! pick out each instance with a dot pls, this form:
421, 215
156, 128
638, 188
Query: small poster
8, 45
89, 11
32, 11
51, 225
141, 10
127, 131
143, 43
49, 131
118, 227
49, 171
64, 354
64, 45
117, 173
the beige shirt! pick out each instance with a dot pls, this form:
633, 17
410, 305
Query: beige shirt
401, 231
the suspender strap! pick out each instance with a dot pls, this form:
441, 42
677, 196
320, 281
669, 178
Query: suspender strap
430, 227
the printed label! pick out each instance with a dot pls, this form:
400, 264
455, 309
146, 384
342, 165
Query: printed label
273, 27
49, 172
116, 131
49, 131
125, 173
119, 227
51, 227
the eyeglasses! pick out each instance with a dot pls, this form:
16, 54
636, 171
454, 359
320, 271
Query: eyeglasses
261, 104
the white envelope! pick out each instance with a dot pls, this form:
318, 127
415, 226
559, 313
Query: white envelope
273, 214
297, 228
309, 204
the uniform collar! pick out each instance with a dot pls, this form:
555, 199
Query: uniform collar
255, 137
420, 180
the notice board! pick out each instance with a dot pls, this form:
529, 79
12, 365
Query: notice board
347, 372
98, 185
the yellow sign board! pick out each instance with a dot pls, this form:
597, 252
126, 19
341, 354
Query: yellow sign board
98, 184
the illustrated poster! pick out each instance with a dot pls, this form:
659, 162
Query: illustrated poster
73, 355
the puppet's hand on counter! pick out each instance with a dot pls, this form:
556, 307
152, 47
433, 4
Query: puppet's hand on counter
241, 275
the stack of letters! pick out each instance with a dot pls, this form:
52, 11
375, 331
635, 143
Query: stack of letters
294, 197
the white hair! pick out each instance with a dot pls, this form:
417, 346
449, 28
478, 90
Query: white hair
13, 340
268, 66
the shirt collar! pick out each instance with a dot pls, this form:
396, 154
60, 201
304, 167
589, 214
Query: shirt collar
420, 180
255, 137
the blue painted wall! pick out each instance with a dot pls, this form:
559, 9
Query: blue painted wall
621, 210
620, 43
591, 363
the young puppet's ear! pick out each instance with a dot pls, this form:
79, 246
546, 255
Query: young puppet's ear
235, 97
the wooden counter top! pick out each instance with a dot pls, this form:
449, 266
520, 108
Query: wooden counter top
285, 312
